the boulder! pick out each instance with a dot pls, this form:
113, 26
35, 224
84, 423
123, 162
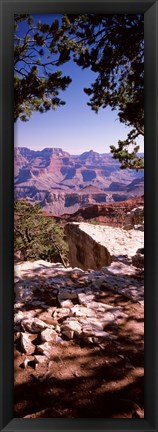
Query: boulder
94, 246
48, 335
70, 328
66, 303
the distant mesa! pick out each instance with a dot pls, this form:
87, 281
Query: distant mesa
90, 155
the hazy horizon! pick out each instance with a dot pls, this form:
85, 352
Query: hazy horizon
61, 148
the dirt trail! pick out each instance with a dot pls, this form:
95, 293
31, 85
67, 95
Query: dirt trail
80, 379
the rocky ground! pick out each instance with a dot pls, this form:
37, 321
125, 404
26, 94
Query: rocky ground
79, 341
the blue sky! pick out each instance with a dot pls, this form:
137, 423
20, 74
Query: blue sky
74, 127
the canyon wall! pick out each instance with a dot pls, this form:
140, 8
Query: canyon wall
63, 183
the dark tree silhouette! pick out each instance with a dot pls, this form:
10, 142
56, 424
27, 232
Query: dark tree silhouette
38, 49
113, 47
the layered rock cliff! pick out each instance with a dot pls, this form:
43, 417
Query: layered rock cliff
111, 214
63, 183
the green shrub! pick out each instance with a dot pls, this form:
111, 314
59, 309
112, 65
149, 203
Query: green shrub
38, 236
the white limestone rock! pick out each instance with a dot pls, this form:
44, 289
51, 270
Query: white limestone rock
92, 331
102, 244
70, 328
84, 299
18, 317
48, 335
40, 359
95, 322
66, 304
26, 343
62, 312
45, 349
78, 310
33, 325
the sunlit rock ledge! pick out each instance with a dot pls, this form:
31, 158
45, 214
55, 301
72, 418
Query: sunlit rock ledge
93, 246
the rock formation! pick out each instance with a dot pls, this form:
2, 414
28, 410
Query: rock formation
93, 246
63, 183
111, 214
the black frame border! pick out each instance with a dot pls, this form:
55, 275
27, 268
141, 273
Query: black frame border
150, 10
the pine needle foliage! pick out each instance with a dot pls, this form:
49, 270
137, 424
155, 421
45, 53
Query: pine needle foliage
38, 236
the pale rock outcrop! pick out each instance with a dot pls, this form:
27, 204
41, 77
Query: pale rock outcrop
94, 246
